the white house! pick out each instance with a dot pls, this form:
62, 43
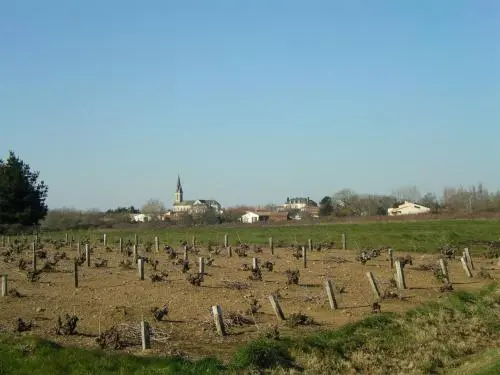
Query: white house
298, 203
140, 218
252, 217
408, 208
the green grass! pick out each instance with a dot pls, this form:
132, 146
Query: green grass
33, 356
453, 335
420, 236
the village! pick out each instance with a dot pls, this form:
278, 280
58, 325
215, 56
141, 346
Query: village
293, 208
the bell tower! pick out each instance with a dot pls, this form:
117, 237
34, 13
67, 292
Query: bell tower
178, 191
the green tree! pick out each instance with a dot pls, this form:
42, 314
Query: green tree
22, 196
325, 206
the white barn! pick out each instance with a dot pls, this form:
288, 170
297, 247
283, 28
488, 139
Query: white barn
252, 217
408, 208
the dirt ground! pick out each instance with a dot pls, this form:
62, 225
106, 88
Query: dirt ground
110, 295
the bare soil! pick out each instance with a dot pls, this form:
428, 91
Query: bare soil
110, 295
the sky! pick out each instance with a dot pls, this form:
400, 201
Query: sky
249, 101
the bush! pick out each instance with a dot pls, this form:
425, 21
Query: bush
263, 354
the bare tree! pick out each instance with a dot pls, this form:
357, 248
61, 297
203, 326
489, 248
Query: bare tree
153, 207
407, 193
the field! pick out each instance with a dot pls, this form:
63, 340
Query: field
113, 295
419, 236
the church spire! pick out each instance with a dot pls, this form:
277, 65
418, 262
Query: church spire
179, 186
178, 191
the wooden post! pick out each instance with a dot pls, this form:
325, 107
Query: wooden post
104, 240
140, 266
465, 266
271, 245
75, 273
66, 239
157, 244
330, 294
229, 251
226, 240
193, 241
255, 263
87, 254
120, 245
304, 256
145, 338
219, 322
373, 285
33, 248
444, 270
185, 252
136, 240
309, 245
276, 307
344, 241
4, 286
134, 249
391, 258
400, 276
468, 258
78, 248
8, 241
201, 266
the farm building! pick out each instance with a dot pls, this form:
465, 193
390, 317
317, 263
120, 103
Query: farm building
253, 217
263, 217
140, 218
408, 208
197, 206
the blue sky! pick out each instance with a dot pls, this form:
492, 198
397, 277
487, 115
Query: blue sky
250, 101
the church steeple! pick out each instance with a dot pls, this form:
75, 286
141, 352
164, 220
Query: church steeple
178, 191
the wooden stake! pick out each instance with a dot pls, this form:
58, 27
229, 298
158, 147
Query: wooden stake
219, 322
391, 258
465, 266
105, 240
78, 248
4, 286
444, 270
66, 239
309, 245
400, 276
229, 251
271, 245
134, 248
373, 285
344, 241
120, 245
145, 337
304, 256
34, 256
330, 294
193, 241
255, 263
468, 258
157, 244
276, 307
87, 254
75, 273
136, 240
185, 252
140, 266
226, 240
201, 265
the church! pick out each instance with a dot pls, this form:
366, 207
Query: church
198, 206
